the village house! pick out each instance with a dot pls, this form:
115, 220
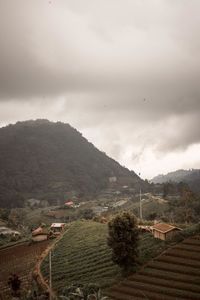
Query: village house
163, 231
39, 235
57, 227
5, 231
72, 205
69, 204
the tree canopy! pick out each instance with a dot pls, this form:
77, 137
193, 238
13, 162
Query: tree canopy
123, 239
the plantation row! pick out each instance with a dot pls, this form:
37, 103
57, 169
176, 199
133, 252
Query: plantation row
19, 259
81, 256
173, 275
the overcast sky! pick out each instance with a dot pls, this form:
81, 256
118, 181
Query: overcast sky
125, 73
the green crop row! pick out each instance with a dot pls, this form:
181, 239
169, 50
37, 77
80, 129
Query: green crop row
81, 256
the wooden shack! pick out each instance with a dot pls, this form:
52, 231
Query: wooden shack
57, 227
163, 231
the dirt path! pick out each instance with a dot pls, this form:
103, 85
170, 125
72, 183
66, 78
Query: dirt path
37, 272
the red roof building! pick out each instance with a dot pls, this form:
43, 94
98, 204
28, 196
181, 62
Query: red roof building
39, 229
69, 203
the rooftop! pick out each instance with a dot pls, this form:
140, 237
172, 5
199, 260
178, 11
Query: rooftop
162, 227
57, 225
37, 230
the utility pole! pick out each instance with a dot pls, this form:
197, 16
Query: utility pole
50, 279
140, 205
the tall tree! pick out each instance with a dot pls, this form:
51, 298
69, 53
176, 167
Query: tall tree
123, 239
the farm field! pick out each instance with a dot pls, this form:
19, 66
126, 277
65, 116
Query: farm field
82, 256
173, 275
19, 259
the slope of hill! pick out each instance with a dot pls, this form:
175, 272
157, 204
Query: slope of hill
82, 256
52, 161
173, 275
191, 177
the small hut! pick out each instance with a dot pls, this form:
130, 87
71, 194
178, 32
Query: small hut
163, 231
39, 235
57, 227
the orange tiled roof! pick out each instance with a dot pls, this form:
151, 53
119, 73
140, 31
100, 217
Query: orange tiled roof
162, 227
37, 230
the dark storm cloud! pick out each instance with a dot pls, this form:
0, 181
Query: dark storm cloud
128, 69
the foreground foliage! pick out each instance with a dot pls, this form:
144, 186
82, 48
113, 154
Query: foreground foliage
82, 292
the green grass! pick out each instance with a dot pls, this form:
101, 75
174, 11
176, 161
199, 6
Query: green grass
149, 248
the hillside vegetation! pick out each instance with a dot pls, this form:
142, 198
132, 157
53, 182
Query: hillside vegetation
191, 177
82, 256
53, 161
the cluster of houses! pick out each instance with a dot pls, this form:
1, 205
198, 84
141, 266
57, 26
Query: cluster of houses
161, 231
72, 204
39, 234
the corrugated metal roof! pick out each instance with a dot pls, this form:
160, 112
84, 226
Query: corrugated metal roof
162, 227
57, 225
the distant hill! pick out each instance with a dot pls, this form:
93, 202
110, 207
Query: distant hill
191, 177
53, 161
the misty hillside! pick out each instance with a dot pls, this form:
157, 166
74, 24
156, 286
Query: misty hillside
53, 161
191, 177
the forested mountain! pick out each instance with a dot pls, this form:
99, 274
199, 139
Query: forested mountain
191, 177
53, 161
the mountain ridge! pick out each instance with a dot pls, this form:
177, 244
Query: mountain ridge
191, 177
53, 161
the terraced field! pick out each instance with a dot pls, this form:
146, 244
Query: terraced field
82, 256
19, 259
173, 275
